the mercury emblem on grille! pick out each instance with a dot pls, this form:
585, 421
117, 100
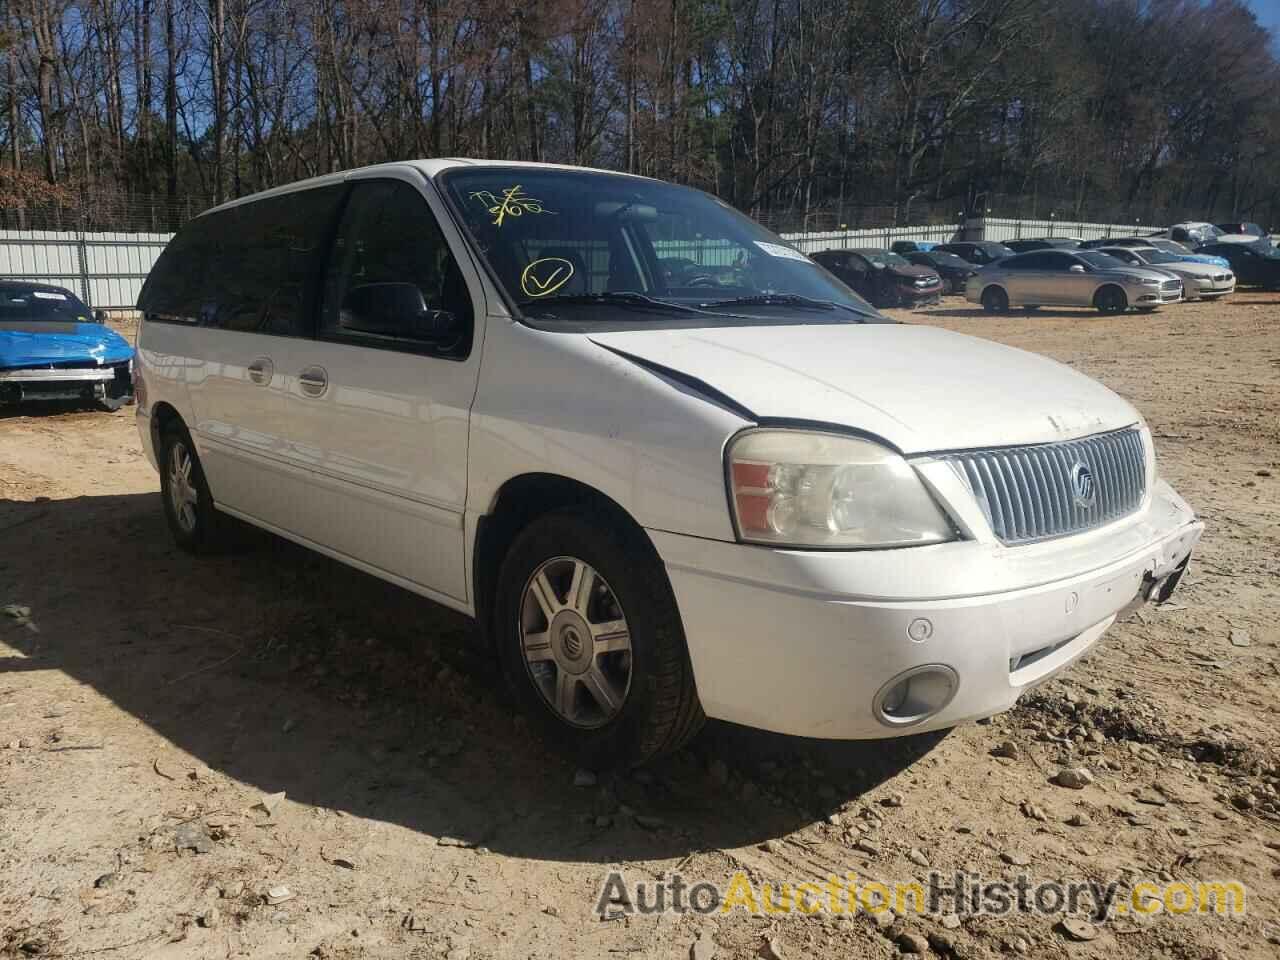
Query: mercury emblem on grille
1083, 491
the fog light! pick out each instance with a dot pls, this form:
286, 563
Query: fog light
916, 695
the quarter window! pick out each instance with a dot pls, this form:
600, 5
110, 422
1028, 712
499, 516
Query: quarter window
391, 280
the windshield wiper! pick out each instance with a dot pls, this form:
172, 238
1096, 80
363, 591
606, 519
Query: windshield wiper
611, 298
788, 300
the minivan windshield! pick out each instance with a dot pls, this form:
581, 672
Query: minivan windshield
591, 244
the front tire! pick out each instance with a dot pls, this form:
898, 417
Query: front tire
1111, 300
590, 639
995, 300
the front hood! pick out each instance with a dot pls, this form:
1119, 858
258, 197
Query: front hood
38, 343
920, 388
1138, 273
1191, 269
913, 272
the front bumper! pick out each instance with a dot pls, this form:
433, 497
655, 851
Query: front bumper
58, 383
911, 295
1205, 287
1144, 296
807, 642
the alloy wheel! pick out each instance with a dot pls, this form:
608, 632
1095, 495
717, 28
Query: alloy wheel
182, 491
576, 642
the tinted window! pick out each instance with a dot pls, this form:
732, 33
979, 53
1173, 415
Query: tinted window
248, 268
883, 258
391, 279
1030, 261
1103, 261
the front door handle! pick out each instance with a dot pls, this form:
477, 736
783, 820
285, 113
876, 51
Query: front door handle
313, 381
260, 371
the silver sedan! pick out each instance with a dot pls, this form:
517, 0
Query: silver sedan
1202, 280
1076, 278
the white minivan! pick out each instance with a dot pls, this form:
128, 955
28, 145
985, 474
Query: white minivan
672, 466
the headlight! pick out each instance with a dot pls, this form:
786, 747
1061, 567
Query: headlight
805, 489
1148, 282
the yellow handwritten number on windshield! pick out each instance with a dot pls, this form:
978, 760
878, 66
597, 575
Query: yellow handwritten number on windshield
513, 202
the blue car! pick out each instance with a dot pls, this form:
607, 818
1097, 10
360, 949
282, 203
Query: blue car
903, 247
53, 347
1180, 251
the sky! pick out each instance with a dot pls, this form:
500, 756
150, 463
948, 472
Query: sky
1268, 12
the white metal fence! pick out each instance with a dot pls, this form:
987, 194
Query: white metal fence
875, 237
1000, 229
107, 269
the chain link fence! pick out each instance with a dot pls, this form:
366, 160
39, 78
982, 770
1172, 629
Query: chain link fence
89, 212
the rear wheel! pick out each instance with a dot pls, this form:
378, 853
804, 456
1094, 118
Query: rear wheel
195, 524
995, 300
1111, 300
590, 639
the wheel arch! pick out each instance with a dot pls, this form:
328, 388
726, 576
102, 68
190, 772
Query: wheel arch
163, 416
995, 285
1111, 285
518, 502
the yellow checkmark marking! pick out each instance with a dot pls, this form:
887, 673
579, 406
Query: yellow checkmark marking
534, 286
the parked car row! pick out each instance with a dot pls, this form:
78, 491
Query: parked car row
1049, 272
1188, 261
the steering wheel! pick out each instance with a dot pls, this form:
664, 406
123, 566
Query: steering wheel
701, 280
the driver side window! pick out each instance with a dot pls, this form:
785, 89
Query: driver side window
391, 279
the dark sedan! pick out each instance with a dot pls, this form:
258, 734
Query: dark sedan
1254, 264
980, 252
954, 271
883, 278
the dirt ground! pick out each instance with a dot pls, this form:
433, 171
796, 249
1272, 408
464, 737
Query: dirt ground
151, 704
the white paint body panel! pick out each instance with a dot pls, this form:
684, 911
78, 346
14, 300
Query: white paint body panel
920, 388
393, 468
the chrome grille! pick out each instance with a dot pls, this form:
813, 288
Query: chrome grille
1039, 492
1170, 284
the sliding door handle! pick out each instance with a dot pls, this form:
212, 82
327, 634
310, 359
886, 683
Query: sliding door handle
260, 371
313, 381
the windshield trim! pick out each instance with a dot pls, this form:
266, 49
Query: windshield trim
439, 182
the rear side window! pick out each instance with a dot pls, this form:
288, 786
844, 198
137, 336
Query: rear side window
391, 279
250, 268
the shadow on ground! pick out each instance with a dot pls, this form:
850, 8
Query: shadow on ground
51, 408
292, 672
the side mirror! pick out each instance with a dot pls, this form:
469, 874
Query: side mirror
395, 310
1077, 268
99, 316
